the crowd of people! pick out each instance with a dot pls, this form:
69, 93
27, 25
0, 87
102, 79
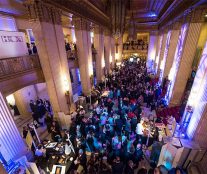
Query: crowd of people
109, 138
39, 109
112, 134
32, 49
70, 46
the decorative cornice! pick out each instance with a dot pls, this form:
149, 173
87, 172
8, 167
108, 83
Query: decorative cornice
39, 10
82, 9
188, 16
98, 29
107, 32
81, 24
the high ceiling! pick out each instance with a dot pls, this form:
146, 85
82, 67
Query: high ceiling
147, 14
147, 10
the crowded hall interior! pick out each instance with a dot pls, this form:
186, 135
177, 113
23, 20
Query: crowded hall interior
103, 86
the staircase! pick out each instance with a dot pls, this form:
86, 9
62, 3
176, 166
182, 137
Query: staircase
21, 121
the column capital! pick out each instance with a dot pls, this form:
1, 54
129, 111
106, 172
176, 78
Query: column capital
39, 10
107, 32
81, 24
153, 32
98, 29
176, 25
198, 15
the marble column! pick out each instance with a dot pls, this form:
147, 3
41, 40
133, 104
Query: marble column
152, 50
83, 43
172, 47
162, 51
197, 101
49, 40
186, 60
113, 48
163, 61
118, 49
22, 99
158, 50
12, 145
99, 46
107, 50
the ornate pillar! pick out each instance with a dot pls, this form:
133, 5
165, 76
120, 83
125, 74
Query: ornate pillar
172, 47
118, 49
158, 50
113, 52
107, 50
164, 57
162, 51
47, 29
83, 42
186, 61
197, 100
11, 142
152, 50
99, 46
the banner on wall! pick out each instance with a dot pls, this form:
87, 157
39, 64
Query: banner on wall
12, 44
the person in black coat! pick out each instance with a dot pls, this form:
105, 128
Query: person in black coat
130, 168
118, 166
34, 48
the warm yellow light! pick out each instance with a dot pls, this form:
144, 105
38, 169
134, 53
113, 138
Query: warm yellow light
135, 54
110, 59
118, 63
102, 62
65, 83
90, 69
116, 56
10, 99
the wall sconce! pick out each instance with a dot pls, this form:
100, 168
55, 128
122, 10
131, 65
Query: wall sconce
67, 93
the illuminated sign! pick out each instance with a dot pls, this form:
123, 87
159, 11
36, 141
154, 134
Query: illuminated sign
12, 38
12, 44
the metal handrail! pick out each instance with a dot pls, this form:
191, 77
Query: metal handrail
15, 65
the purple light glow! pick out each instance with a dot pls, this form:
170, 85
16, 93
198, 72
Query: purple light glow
176, 61
162, 65
198, 95
158, 55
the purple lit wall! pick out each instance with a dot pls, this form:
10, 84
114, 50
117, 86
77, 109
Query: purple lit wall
11, 142
151, 52
162, 65
198, 95
176, 61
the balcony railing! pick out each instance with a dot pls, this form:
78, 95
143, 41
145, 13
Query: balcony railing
72, 54
136, 47
16, 65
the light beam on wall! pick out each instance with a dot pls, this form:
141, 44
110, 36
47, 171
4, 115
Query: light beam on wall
176, 61
163, 62
158, 55
198, 95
